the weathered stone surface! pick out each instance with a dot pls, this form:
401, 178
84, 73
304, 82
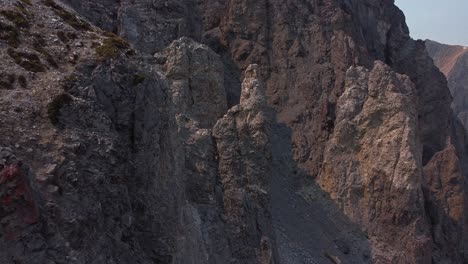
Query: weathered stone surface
101, 13
244, 150
130, 174
197, 81
195, 73
120, 141
152, 25
447, 170
372, 164
446, 204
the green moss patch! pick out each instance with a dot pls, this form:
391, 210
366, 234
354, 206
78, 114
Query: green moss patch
7, 80
10, 34
66, 37
16, 18
22, 81
68, 82
67, 16
27, 2
62, 36
53, 108
22, 8
112, 46
39, 40
138, 79
39, 45
28, 61
47, 56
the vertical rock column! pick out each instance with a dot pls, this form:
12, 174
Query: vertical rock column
195, 75
244, 151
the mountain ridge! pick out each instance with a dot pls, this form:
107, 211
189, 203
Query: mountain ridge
452, 61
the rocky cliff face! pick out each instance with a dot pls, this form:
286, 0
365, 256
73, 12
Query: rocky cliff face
339, 145
453, 63
375, 150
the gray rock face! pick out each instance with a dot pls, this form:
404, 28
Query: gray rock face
121, 152
101, 13
117, 121
152, 25
196, 73
244, 150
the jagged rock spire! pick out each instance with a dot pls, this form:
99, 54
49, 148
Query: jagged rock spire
253, 87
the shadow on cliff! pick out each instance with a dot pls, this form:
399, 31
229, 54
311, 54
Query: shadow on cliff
309, 226
441, 209
460, 130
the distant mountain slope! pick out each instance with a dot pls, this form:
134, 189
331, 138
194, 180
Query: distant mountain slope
452, 60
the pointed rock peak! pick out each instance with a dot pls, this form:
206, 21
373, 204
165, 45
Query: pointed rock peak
252, 71
253, 87
196, 79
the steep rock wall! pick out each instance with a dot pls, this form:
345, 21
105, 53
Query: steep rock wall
178, 193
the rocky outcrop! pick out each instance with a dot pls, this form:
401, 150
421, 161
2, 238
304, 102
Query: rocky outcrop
131, 155
102, 13
306, 50
446, 172
375, 152
196, 74
152, 25
446, 204
131, 173
21, 205
244, 151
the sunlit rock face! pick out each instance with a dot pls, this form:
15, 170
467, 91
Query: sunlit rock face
372, 164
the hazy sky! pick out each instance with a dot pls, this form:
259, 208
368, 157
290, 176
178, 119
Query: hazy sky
444, 21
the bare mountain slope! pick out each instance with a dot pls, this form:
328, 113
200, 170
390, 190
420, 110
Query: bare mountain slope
453, 62
222, 131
